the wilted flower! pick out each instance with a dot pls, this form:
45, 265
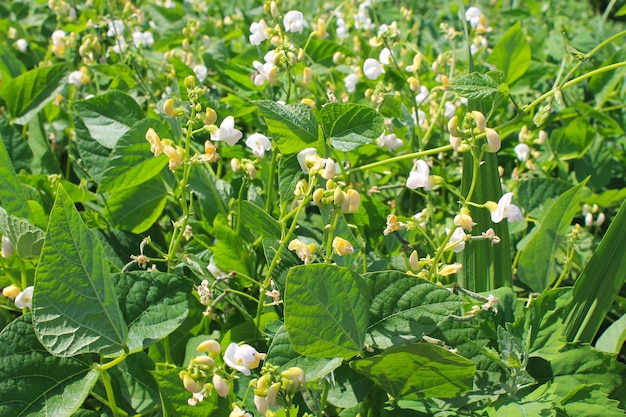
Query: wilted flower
227, 132
293, 21
372, 68
242, 357
393, 224
342, 246
450, 269
464, 220
259, 144
258, 32
11, 291
505, 210
304, 251
492, 301
156, 144
25, 298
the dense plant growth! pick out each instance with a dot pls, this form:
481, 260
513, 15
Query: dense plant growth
334, 208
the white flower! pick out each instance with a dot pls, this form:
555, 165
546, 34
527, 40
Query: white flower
265, 72
201, 72
522, 151
302, 158
116, 28
506, 210
259, 144
372, 68
21, 45
423, 96
293, 21
390, 141
472, 15
350, 82
120, 46
457, 240
258, 32
449, 110
7, 247
242, 358
385, 57
76, 78
420, 178
25, 298
57, 37
330, 169
227, 132
143, 39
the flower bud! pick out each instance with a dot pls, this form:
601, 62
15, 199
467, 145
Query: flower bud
204, 360
235, 165
351, 201
190, 82
414, 260
338, 196
262, 383
464, 220
493, 140
251, 170
189, 383
220, 385
210, 116
7, 248
168, 107
455, 142
293, 379
480, 121
307, 75
272, 392
317, 196
261, 403
453, 126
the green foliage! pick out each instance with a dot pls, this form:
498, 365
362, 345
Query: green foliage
349, 126
293, 126
512, 54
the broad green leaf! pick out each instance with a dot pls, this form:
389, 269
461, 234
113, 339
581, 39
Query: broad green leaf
93, 156
534, 193
280, 353
108, 116
10, 66
512, 53
131, 163
137, 208
213, 193
75, 308
405, 307
12, 197
28, 93
322, 51
153, 304
477, 86
349, 126
349, 388
573, 140
35, 383
587, 400
26, 239
44, 159
612, 339
536, 267
325, 311
293, 126
599, 283
174, 397
419, 370
229, 252
257, 219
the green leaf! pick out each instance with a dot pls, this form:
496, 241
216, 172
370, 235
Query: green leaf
534, 193
257, 219
16, 146
93, 156
174, 397
289, 173
293, 126
108, 116
512, 53
12, 197
349, 388
153, 304
44, 159
612, 339
601, 279
131, 163
573, 140
536, 264
477, 86
28, 93
35, 383
26, 239
287, 260
137, 208
325, 311
229, 252
280, 353
418, 371
587, 400
405, 307
349, 126
74, 304
10, 66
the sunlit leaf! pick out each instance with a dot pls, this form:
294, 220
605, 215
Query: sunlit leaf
349, 126
292, 126
512, 53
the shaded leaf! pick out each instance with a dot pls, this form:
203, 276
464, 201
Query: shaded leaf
612, 339
349, 126
293, 126
12, 197
418, 371
257, 219
26, 239
325, 311
512, 53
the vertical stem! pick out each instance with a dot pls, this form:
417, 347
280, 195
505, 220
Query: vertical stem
106, 380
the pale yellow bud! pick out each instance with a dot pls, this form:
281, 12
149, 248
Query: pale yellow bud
220, 385
493, 140
189, 383
351, 201
168, 107
479, 119
308, 102
274, 9
455, 142
453, 126
321, 28
342, 246
11, 291
317, 196
210, 116
414, 83
338, 196
272, 392
464, 220
307, 75
414, 260
235, 165
204, 360
190, 82
211, 347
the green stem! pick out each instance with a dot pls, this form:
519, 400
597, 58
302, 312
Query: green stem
328, 256
439, 255
270, 184
106, 381
398, 158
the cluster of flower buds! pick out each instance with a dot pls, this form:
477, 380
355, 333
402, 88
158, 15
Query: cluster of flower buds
475, 125
200, 370
345, 201
276, 389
